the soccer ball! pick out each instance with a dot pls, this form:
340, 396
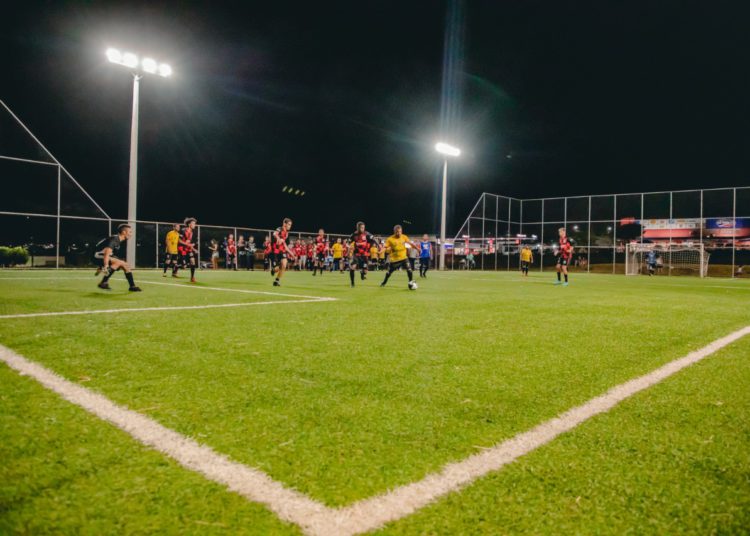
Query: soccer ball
413, 285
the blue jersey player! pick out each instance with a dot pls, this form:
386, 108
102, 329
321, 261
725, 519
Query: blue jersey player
425, 254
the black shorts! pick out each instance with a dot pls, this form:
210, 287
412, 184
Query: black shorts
188, 257
321, 257
276, 257
170, 257
562, 261
399, 264
524, 265
360, 261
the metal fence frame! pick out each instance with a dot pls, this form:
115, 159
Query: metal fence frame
478, 213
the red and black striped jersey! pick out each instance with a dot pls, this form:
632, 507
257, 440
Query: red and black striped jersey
281, 238
186, 241
566, 248
362, 242
321, 245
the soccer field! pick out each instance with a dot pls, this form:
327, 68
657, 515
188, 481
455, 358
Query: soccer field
340, 398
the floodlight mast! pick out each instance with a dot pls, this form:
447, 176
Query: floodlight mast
448, 151
148, 65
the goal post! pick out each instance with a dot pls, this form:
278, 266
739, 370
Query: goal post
674, 259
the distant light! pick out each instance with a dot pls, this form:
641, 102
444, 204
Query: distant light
509, 156
149, 65
165, 70
283, 189
296, 192
609, 228
130, 60
575, 227
446, 149
114, 55
303, 193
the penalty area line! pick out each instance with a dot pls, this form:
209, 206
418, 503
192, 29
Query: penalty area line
315, 518
164, 308
372, 513
253, 484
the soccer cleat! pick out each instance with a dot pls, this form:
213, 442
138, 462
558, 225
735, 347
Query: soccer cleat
276, 284
565, 284
192, 280
135, 289
164, 274
98, 271
104, 285
558, 282
175, 275
382, 284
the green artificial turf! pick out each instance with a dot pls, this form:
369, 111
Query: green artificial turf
345, 399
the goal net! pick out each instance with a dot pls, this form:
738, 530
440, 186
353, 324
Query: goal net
672, 260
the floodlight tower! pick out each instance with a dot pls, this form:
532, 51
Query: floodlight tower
138, 67
448, 151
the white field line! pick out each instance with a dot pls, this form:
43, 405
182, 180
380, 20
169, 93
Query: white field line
165, 308
315, 518
47, 278
252, 484
238, 290
372, 513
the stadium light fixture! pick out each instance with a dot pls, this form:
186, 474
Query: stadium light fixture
448, 151
150, 66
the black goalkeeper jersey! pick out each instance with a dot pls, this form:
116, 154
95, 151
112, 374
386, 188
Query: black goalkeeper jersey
113, 242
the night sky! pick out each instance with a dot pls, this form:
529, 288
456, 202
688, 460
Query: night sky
343, 100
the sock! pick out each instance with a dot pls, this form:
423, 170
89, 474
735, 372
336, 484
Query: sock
129, 277
108, 271
410, 274
174, 269
192, 272
558, 276
166, 265
351, 276
387, 275
566, 278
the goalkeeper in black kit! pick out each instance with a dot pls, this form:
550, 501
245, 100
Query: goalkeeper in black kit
104, 257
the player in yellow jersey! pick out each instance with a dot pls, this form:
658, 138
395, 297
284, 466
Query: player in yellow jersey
171, 256
396, 246
526, 259
338, 255
374, 256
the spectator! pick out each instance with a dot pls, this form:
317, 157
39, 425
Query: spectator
241, 252
231, 253
250, 253
213, 247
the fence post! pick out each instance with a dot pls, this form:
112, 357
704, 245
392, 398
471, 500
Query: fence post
541, 250
497, 211
614, 237
156, 241
57, 240
508, 233
734, 227
588, 256
199, 248
484, 212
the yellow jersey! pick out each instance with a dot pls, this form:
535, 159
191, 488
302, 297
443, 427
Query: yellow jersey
173, 238
373, 252
397, 247
338, 249
525, 255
